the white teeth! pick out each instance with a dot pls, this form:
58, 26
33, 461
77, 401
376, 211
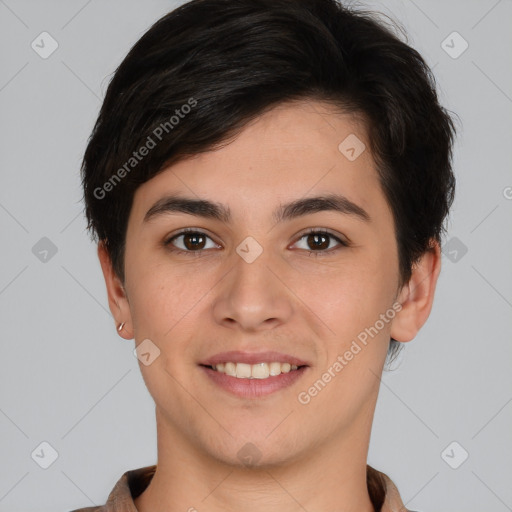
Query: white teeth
254, 371
243, 371
275, 368
229, 369
259, 371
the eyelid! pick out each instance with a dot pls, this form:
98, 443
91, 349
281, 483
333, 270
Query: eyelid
319, 230
188, 230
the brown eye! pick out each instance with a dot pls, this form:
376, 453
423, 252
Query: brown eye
194, 241
319, 242
189, 241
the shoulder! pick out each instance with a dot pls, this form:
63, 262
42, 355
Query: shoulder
387, 491
132, 483
89, 509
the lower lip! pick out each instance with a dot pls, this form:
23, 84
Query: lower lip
254, 388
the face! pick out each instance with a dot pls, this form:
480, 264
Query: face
298, 284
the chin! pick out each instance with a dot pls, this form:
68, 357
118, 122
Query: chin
256, 452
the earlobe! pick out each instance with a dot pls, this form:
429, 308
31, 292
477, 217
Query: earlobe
117, 300
417, 295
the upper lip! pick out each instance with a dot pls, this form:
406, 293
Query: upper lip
237, 356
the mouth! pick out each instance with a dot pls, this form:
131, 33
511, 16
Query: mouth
263, 370
253, 375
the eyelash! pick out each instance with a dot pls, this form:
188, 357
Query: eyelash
311, 231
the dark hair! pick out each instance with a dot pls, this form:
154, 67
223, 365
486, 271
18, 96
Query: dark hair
206, 69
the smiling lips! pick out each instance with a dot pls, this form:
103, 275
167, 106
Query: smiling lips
253, 365
254, 371
252, 375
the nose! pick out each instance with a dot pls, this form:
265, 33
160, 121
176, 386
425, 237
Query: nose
254, 296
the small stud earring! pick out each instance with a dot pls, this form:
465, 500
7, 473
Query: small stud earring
120, 328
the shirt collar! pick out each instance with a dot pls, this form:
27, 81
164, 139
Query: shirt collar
135, 481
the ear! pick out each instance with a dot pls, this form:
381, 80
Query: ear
417, 295
117, 299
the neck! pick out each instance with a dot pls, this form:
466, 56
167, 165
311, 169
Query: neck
330, 476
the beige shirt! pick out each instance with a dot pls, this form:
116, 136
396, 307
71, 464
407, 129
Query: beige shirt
135, 481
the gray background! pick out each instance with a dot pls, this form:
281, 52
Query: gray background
69, 380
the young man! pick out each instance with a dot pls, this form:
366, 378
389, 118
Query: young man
267, 181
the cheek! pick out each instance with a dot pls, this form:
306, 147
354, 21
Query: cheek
165, 296
350, 297
167, 305
350, 303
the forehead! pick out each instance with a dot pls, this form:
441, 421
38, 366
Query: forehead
293, 150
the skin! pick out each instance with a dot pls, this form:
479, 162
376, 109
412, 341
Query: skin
195, 305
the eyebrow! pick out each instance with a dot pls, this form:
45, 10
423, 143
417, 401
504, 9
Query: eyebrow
171, 204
